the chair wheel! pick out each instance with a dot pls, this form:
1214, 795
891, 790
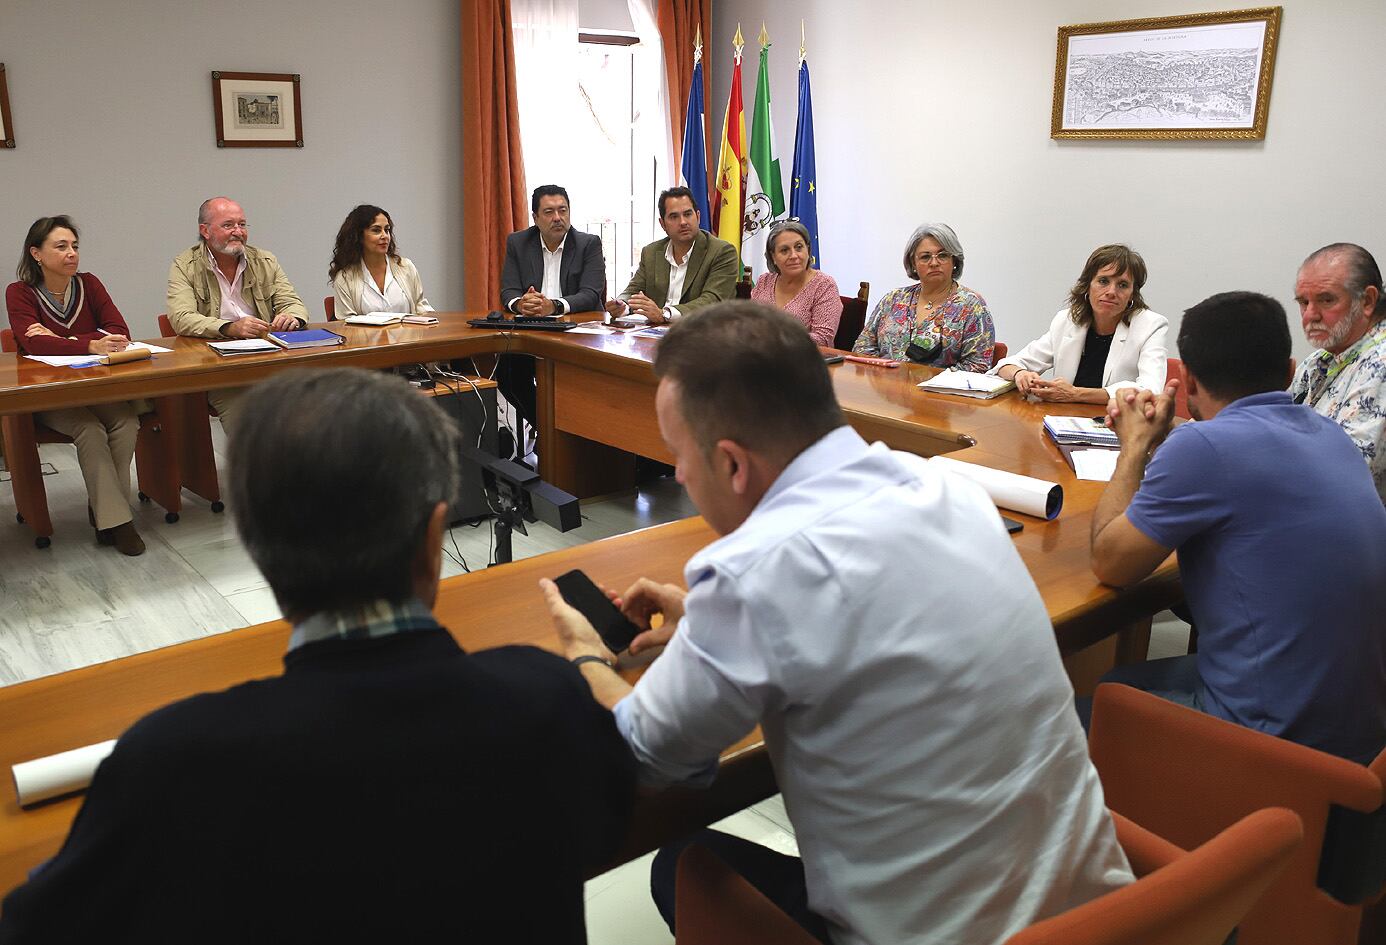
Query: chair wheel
218, 507
143, 497
42, 541
19, 518
170, 517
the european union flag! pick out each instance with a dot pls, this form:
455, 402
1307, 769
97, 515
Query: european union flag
693, 171
803, 196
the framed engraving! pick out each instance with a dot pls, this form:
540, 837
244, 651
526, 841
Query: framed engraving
6, 122
257, 110
1202, 75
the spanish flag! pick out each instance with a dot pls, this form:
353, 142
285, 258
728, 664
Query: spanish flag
731, 165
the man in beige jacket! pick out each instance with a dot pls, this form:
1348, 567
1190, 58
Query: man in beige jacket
222, 288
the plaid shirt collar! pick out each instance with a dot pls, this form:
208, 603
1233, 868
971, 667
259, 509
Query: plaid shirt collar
379, 618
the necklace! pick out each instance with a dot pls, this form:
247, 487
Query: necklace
929, 306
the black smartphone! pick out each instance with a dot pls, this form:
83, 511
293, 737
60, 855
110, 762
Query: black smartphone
833, 358
587, 598
1012, 526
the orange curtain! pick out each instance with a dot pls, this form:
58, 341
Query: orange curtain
678, 25
494, 203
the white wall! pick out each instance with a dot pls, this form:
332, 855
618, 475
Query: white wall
112, 107
926, 110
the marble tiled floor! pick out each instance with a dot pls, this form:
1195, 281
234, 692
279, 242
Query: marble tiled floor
75, 603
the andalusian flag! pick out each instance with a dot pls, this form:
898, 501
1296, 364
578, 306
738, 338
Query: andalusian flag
731, 163
764, 187
803, 196
693, 171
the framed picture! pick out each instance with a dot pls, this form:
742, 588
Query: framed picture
6, 122
257, 110
1203, 75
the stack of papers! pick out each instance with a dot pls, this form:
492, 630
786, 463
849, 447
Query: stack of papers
967, 384
1081, 431
243, 346
87, 360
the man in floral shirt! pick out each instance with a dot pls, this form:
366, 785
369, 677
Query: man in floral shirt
1339, 294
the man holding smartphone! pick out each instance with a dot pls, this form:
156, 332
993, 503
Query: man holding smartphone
872, 616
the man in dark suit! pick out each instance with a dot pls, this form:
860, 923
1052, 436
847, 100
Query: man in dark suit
389, 786
687, 270
550, 269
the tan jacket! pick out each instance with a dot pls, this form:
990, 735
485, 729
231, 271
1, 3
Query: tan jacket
347, 286
194, 294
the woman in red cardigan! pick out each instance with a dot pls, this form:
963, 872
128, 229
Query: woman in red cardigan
54, 309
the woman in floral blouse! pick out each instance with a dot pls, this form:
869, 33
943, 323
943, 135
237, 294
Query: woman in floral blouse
937, 321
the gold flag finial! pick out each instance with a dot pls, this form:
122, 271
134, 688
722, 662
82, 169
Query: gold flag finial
738, 42
803, 43
698, 45
764, 37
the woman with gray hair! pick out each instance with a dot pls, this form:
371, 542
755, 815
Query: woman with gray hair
794, 285
936, 321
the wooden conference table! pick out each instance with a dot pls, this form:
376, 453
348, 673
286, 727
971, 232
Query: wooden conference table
596, 398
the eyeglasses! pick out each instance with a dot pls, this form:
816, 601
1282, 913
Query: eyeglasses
229, 226
927, 258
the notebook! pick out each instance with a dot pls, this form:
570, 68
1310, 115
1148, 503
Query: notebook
375, 318
308, 338
1086, 431
967, 384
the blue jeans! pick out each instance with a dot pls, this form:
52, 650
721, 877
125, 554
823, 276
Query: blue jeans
1175, 679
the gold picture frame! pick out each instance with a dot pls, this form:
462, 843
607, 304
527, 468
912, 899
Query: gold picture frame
6, 122
1102, 74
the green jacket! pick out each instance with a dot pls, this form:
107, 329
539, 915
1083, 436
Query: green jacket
194, 294
712, 273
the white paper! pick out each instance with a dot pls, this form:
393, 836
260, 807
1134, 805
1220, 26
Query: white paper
1020, 493
67, 360
243, 346
1095, 465
592, 328
59, 774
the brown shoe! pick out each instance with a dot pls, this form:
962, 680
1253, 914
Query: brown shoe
126, 540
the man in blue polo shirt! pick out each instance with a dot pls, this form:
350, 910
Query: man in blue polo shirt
1280, 533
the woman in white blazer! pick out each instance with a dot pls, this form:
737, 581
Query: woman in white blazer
1104, 340
368, 274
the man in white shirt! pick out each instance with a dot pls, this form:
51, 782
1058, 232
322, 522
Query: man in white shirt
871, 614
687, 270
221, 287
549, 269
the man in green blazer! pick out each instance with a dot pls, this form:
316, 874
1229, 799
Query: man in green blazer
687, 270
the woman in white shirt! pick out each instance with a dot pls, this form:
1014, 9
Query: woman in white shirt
368, 274
1103, 340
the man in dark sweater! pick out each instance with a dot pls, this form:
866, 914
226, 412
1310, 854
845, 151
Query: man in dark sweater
389, 786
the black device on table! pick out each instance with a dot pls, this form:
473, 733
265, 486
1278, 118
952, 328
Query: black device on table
587, 599
1012, 526
521, 322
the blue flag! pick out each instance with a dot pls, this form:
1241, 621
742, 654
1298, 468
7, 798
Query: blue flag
803, 196
693, 172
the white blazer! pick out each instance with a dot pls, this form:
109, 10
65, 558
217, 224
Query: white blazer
348, 283
1137, 356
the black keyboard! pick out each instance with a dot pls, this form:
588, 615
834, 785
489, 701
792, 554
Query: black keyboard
532, 323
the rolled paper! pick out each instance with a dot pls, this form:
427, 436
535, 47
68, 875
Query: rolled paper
129, 354
1024, 494
59, 774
